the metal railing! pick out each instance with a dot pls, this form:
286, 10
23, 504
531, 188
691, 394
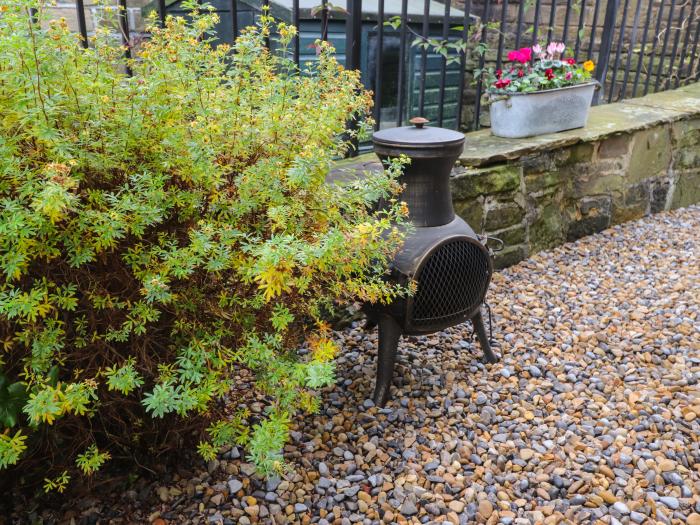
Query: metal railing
639, 46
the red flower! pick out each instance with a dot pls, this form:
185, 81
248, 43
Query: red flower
521, 73
571, 61
549, 74
502, 83
499, 73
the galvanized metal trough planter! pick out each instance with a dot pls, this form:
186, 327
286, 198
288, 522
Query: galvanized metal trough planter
527, 114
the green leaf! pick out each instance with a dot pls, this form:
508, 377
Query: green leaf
13, 396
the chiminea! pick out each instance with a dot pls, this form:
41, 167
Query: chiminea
450, 265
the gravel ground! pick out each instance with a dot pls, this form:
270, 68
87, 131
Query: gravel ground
592, 415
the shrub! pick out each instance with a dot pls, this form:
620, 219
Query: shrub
168, 240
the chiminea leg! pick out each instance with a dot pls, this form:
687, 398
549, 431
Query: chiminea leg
480, 330
389, 335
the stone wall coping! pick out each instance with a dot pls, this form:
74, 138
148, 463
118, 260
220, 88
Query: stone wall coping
481, 148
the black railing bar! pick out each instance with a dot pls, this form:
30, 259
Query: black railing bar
124, 28
676, 44
686, 41
443, 64
378, 66
82, 24
353, 47
605, 47
519, 26
618, 51
667, 35
674, 49
463, 60
265, 3
659, 15
536, 21
694, 56
642, 50
579, 29
297, 36
162, 13
594, 27
424, 56
552, 19
482, 60
402, 66
633, 43
501, 33
324, 20
567, 15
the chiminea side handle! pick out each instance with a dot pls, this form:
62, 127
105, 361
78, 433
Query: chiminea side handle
484, 239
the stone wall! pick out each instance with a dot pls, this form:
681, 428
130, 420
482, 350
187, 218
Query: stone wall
637, 157
633, 158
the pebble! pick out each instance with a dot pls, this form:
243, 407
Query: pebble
526, 454
456, 505
584, 419
670, 502
408, 508
163, 494
234, 485
485, 508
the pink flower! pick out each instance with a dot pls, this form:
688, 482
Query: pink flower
571, 61
569, 74
522, 55
555, 48
537, 49
515, 56
526, 52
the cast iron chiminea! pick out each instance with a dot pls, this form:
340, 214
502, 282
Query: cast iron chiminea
450, 265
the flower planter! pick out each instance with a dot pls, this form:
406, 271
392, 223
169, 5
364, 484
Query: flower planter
526, 114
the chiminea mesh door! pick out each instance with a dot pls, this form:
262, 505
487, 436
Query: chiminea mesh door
452, 284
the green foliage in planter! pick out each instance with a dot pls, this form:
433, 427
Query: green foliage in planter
168, 240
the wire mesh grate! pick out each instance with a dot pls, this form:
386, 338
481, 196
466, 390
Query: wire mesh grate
451, 284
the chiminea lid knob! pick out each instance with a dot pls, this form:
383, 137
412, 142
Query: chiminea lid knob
419, 122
